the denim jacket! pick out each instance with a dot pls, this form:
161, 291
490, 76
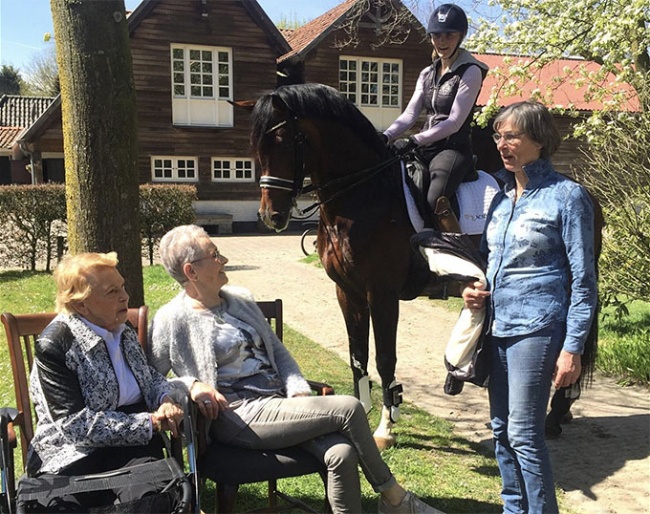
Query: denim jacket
540, 255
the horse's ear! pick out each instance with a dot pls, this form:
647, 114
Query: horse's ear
278, 103
243, 104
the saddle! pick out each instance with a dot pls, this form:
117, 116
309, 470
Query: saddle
443, 217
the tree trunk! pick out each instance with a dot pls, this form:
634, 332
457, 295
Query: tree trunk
99, 132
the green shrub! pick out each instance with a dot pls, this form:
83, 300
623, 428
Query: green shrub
33, 216
35, 220
163, 207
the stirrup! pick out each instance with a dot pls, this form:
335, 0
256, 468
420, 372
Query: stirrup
444, 216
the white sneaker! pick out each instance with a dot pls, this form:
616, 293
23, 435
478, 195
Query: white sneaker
411, 504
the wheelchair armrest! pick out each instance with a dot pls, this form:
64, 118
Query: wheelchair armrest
321, 388
8, 417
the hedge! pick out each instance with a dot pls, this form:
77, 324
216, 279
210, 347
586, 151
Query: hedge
35, 220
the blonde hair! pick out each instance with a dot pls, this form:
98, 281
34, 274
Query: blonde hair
73, 274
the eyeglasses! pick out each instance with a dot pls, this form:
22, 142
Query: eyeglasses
508, 137
215, 256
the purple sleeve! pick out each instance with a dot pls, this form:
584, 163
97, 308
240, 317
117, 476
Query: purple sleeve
406, 120
468, 90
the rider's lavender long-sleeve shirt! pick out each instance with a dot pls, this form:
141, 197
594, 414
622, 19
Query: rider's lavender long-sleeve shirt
468, 90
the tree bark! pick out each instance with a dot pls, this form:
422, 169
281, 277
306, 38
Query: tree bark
99, 132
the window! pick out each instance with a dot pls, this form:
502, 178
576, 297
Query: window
374, 85
232, 170
201, 85
174, 169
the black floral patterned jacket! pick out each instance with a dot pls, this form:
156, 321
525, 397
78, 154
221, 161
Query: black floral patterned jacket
75, 393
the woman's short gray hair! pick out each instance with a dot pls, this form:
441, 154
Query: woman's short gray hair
535, 120
179, 246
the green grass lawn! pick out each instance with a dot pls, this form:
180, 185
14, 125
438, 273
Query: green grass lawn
451, 473
624, 344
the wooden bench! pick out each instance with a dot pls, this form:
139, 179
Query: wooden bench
221, 220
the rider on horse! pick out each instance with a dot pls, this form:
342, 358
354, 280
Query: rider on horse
448, 90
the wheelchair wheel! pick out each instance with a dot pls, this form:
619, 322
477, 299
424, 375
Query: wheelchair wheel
308, 241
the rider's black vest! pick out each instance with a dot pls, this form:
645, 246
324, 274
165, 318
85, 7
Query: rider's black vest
439, 98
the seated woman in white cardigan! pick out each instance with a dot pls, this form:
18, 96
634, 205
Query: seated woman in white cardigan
216, 340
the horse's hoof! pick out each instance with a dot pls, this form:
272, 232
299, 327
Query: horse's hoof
385, 442
566, 418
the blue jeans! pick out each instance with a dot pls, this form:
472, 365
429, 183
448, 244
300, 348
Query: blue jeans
519, 389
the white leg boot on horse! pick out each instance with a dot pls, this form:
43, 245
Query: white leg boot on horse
363, 386
384, 437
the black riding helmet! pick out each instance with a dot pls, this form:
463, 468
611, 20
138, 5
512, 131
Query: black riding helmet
447, 18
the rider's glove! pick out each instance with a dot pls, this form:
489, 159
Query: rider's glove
383, 137
403, 146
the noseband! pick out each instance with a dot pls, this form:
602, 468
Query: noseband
295, 185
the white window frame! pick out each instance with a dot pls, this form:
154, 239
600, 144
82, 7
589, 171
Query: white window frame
201, 85
237, 165
178, 167
374, 85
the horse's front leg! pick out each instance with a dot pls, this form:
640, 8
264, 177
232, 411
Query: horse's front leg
357, 322
384, 311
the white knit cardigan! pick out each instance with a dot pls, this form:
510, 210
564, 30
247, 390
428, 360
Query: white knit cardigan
181, 338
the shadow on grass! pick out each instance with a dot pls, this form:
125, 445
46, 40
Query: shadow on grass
627, 326
10, 276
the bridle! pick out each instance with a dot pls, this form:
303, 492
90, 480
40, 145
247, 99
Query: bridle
328, 191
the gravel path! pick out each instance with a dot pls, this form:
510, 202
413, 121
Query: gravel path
602, 459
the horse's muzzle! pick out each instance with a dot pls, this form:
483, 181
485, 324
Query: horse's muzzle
274, 220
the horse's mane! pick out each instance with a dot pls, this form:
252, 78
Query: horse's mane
319, 102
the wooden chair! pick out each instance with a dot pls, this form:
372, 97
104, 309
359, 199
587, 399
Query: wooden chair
229, 466
21, 331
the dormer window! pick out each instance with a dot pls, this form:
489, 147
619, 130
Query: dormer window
374, 85
201, 86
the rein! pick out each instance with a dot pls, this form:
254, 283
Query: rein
297, 187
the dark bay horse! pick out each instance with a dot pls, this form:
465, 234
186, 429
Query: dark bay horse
311, 130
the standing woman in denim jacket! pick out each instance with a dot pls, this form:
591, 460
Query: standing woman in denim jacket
541, 297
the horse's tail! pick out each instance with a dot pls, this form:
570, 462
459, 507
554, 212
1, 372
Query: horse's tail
588, 359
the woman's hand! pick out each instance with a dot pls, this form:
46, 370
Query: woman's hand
209, 400
567, 369
474, 295
168, 417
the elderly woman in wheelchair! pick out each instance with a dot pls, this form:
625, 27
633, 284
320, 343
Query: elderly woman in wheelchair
216, 340
100, 405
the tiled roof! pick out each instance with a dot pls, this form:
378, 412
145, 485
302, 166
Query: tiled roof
552, 76
301, 38
22, 111
8, 135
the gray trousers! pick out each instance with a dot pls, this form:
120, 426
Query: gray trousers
333, 428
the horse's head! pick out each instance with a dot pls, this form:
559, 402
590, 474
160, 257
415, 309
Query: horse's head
278, 144
297, 130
